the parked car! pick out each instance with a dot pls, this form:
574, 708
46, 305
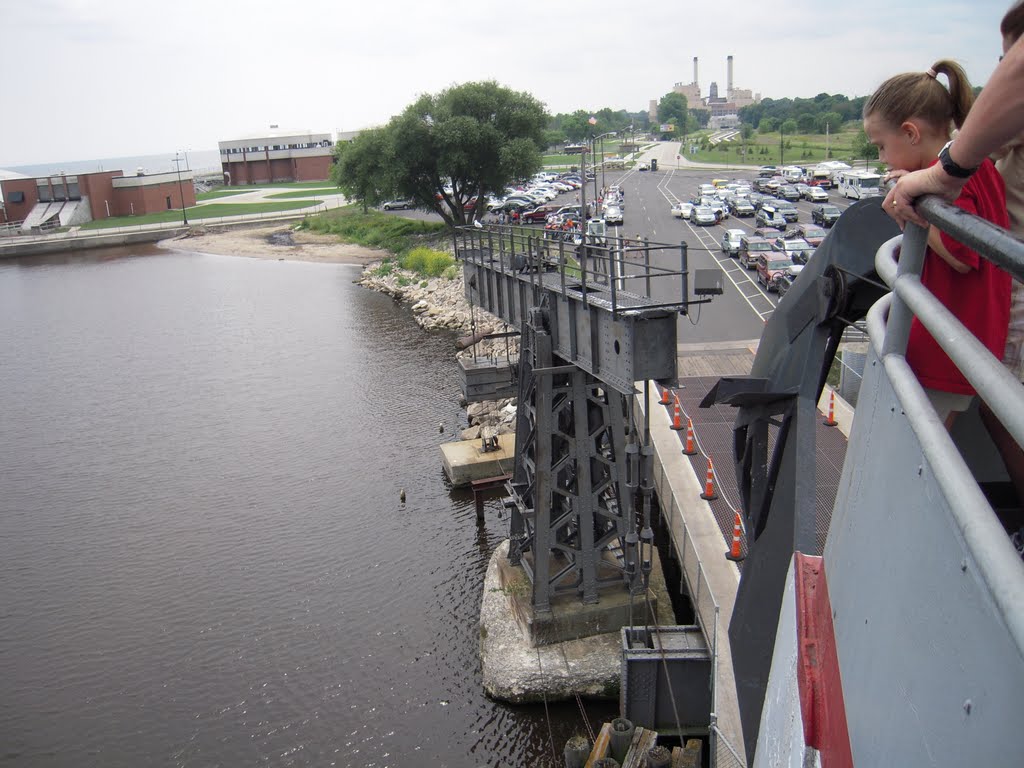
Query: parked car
769, 217
398, 204
682, 210
767, 171
716, 205
704, 216
787, 211
787, 192
731, 241
741, 206
796, 249
825, 215
768, 233
752, 247
538, 214
644, 167
816, 195
812, 233
613, 215
769, 265
784, 280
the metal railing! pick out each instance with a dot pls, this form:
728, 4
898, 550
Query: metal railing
889, 327
616, 270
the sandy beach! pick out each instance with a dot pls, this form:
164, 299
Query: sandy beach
275, 242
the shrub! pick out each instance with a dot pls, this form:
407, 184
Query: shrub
426, 261
450, 273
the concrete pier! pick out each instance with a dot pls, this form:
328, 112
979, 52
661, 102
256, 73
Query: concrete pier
465, 460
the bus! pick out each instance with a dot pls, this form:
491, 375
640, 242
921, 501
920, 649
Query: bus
859, 184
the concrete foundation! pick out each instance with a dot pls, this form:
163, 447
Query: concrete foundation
465, 460
518, 670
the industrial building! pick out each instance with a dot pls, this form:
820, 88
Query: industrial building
724, 109
277, 156
63, 200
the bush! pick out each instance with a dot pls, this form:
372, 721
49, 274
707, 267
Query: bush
451, 273
426, 261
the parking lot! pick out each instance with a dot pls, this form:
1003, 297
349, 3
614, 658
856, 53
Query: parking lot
737, 315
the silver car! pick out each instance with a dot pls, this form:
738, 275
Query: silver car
704, 216
613, 215
731, 241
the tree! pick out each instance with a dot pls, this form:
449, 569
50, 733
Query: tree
672, 109
806, 123
359, 168
577, 126
862, 147
700, 118
789, 127
833, 120
768, 125
466, 142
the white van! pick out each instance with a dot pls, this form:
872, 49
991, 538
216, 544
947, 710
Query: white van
859, 184
793, 174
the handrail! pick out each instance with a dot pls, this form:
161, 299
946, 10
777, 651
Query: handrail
888, 325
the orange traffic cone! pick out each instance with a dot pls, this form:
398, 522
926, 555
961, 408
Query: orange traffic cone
677, 417
831, 420
735, 552
665, 398
709, 483
689, 450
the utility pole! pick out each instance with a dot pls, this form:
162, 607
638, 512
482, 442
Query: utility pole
782, 146
181, 193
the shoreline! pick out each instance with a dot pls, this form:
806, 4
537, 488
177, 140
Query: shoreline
277, 242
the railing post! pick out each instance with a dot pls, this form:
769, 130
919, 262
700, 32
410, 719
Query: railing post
684, 285
912, 254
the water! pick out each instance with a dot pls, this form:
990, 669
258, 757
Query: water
203, 555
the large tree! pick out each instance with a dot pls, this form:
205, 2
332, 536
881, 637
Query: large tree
360, 168
444, 150
672, 109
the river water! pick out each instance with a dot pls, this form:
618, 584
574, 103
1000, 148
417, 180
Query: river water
203, 556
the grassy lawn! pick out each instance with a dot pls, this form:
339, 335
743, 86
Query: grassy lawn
801, 149
377, 230
282, 185
304, 193
224, 192
212, 211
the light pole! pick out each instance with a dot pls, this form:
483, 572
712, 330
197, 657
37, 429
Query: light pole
601, 137
181, 194
782, 146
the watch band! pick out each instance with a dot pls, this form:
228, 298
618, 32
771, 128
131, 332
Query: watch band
950, 166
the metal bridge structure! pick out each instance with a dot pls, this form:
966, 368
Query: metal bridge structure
580, 492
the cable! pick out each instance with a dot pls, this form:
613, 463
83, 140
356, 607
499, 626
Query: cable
664, 662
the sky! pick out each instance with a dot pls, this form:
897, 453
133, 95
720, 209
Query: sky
92, 79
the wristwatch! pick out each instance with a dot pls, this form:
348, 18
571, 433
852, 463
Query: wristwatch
950, 166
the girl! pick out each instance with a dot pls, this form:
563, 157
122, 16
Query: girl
909, 119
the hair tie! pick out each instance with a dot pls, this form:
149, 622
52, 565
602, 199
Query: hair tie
931, 73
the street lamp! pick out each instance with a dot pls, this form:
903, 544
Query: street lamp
601, 137
782, 146
181, 194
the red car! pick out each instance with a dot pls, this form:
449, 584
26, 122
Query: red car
538, 214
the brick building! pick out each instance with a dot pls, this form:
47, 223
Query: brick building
277, 157
65, 200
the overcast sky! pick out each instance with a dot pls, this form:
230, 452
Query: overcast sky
88, 79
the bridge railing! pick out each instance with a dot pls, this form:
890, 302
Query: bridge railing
627, 274
926, 589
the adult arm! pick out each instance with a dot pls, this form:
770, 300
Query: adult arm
996, 117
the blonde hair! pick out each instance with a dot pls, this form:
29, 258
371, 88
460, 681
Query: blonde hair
920, 95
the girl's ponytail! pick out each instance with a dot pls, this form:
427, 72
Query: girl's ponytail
960, 93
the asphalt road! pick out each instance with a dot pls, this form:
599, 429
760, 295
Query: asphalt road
737, 315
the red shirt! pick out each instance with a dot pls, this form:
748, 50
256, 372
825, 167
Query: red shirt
979, 298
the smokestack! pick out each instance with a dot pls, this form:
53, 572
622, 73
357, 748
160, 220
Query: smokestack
728, 79
695, 70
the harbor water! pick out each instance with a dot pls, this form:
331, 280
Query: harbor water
204, 559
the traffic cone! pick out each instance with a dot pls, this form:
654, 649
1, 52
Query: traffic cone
709, 483
831, 420
689, 450
735, 552
677, 417
665, 397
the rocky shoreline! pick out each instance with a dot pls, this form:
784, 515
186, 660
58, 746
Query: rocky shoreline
440, 303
